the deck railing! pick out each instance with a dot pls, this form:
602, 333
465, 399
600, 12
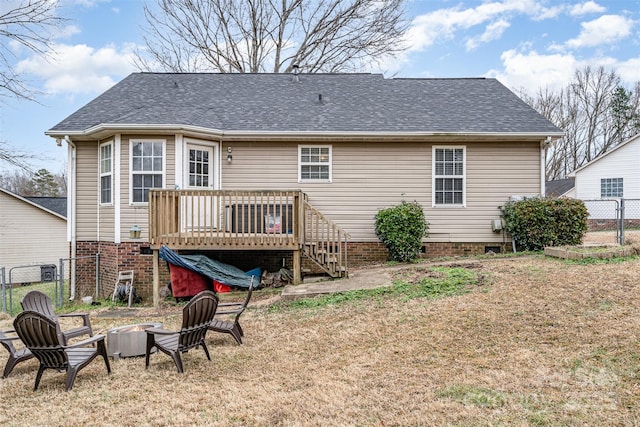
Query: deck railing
224, 219
325, 243
218, 219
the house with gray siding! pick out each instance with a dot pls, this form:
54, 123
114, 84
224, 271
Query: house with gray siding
266, 169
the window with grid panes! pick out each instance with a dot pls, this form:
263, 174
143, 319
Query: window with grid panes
315, 163
106, 172
448, 176
147, 163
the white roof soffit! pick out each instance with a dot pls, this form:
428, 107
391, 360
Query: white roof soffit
106, 130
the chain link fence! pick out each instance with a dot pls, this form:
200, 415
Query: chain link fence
58, 281
612, 221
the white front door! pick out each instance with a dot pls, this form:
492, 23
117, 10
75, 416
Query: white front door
200, 174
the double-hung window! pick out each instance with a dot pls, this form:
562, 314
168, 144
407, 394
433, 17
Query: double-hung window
611, 187
106, 173
314, 163
147, 168
449, 176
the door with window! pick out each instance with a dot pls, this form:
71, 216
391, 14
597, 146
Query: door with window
200, 174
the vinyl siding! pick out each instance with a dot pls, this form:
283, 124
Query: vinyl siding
621, 163
30, 235
368, 177
139, 214
88, 188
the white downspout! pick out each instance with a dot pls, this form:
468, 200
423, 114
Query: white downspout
71, 212
543, 165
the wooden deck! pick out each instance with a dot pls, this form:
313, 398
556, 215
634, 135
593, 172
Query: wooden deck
246, 220
197, 219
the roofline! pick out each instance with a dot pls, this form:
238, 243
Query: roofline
106, 129
622, 144
12, 194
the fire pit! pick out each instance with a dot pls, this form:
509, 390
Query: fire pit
128, 340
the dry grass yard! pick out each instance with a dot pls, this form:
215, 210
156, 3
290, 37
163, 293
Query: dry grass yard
535, 341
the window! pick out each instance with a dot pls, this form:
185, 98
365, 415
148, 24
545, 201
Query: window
611, 187
314, 163
199, 167
147, 169
448, 176
106, 172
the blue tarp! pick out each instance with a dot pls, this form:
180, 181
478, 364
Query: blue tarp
215, 270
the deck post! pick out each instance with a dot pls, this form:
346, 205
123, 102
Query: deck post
297, 267
156, 278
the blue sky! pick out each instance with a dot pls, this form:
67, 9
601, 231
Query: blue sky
526, 44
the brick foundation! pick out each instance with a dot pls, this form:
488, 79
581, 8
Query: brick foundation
610, 224
128, 256
114, 258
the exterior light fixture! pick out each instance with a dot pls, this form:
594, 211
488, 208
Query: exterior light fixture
229, 156
135, 232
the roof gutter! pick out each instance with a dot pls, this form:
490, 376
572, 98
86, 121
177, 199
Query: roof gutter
106, 129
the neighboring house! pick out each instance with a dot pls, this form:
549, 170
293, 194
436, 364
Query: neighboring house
560, 188
613, 175
271, 168
33, 233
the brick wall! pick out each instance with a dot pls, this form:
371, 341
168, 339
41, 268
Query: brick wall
458, 249
128, 256
114, 258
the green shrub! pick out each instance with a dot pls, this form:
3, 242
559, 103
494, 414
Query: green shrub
538, 222
401, 229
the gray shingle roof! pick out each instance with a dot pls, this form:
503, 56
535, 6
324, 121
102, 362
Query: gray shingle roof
277, 103
54, 204
558, 187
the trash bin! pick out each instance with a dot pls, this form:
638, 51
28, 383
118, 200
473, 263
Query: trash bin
48, 273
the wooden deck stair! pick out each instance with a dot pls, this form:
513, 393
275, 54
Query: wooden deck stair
325, 243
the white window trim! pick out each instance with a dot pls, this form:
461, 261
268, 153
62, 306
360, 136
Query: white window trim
215, 161
463, 176
103, 174
330, 164
164, 167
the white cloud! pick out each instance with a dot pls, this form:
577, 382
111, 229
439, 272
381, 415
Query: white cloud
586, 8
493, 32
80, 69
603, 30
443, 24
532, 71
629, 70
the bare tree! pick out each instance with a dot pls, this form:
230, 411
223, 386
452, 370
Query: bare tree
14, 157
269, 35
30, 24
596, 113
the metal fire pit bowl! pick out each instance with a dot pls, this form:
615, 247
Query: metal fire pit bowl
128, 340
